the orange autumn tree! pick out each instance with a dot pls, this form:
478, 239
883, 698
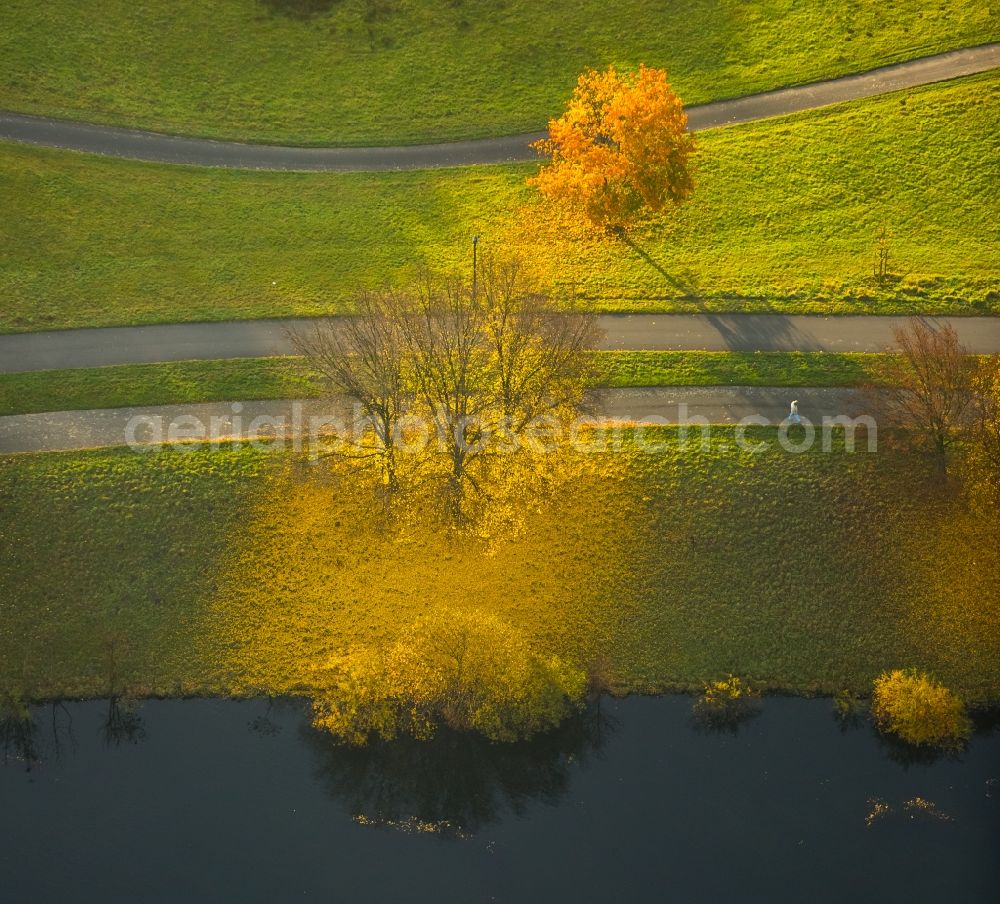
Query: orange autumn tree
621, 149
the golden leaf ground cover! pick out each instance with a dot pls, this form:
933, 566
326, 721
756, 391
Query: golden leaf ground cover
236, 571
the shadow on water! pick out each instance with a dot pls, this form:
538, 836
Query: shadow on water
456, 783
18, 733
908, 755
984, 724
600, 809
723, 723
123, 723
29, 738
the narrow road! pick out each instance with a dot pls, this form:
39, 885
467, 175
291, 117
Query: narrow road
65, 430
152, 146
261, 338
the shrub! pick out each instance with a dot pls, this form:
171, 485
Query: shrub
465, 670
914, 707
847, 708
726, 703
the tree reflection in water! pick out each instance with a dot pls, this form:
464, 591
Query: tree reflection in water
458, 782
18, 732
122, 722
24, 738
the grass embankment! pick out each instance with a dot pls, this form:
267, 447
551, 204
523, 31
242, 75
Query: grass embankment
126, 385
784, 218
234, 571
736, 368
385, 72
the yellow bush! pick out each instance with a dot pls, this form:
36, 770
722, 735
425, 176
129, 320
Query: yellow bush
464, 670
911, 705
726, 702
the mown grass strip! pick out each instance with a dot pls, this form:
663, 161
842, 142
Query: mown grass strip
666, 368
168, 383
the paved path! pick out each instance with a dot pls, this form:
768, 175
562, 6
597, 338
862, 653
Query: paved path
260, 338
116, 142
62, 430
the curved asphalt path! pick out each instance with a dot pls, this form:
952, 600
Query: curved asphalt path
651, 332
96, 347
152, 146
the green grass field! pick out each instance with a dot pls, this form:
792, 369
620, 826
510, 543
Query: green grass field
389, 71
237, 571
127, 385
736, 368
784, 219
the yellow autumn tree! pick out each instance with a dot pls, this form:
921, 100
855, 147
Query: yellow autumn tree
986, 425
913, 706
467, 670
621, 149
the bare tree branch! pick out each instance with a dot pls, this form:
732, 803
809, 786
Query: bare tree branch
928, 388
361, 357
481, 363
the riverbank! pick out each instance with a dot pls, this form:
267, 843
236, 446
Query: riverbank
235, 571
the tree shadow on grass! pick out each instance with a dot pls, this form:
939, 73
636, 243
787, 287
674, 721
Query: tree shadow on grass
776, 332
685, 283
302, 10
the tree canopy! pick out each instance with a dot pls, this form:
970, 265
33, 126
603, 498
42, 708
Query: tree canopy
916, 708
622, 148
466, 670
457, 371
927, 390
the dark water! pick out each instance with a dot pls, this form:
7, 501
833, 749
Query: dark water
204, 800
